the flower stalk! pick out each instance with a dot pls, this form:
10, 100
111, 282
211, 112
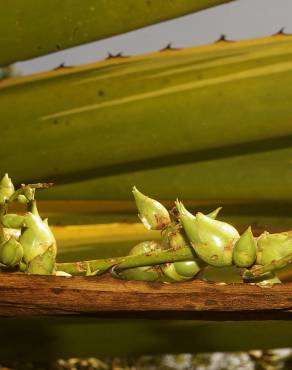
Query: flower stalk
187, 245
99, 266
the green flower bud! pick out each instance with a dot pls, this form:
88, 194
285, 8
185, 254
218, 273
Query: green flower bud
7, 233
10, 232
187, 219
22, 199
152, 213
212, 240
177, 239
145, 273
145, 247
11, 252
149, 273
11, 220
36, 238
6, 188
22, 266
29, 193
43, 264
173, 236
180, 271
245, 251
272, 247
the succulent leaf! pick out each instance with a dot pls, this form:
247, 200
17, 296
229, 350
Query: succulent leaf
79, 22
168, 84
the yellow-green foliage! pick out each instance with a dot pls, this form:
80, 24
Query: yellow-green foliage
160, 109
31, 28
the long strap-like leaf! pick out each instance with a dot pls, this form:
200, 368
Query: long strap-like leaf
165, 108
31, 28
262, 175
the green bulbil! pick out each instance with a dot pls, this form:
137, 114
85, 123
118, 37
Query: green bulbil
26, 240
145, 273
11, 252
145, 247
152, 213
6, 188
187, 219
212, 240
29, 193
36, 238
177, 239
180, 271
245, 251
272, 247
174, 236
22, 199
11, 220
149, 273
6, 233
43, 264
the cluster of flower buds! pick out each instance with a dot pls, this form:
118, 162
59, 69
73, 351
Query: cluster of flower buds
26, 241
28, 245
213, 243
155, 216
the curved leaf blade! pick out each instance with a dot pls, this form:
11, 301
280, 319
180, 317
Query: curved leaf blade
143, 112
32, 28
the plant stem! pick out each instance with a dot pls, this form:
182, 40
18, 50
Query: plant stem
148, 259
273, 266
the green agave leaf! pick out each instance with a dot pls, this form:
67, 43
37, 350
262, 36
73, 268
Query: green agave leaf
253, 188
148, 111
238, 178
272, 216
41, 27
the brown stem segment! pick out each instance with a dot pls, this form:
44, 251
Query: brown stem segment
100, 266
